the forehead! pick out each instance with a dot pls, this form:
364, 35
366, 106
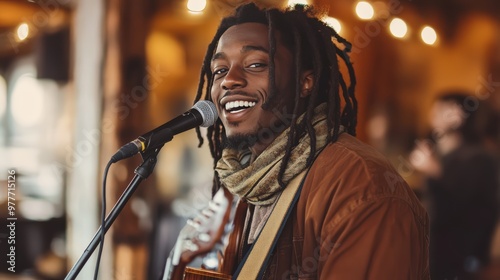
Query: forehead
244, 34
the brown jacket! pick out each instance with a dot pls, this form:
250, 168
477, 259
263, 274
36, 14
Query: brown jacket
356, 218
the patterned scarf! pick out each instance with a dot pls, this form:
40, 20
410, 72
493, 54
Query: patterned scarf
258, 182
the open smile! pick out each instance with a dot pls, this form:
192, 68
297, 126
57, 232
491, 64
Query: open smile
238, 106
235, 109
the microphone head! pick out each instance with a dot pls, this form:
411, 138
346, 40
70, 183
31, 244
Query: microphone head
208, 112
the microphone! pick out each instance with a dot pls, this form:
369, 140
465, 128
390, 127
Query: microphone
203, 113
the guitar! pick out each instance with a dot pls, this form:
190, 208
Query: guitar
219, 225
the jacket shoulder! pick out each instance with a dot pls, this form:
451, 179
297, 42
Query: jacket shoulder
348, 157
349, 174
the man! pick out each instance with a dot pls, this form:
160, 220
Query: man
462, 180
285, 108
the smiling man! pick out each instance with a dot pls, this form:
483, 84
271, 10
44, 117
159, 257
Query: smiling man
240, 85
286, 110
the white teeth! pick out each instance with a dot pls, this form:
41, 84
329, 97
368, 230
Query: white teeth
239, 103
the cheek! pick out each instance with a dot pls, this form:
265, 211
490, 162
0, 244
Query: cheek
213, 92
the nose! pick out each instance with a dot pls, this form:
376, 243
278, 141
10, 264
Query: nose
234, 79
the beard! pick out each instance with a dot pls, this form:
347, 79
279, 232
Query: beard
260, 134
243, 141
240, 141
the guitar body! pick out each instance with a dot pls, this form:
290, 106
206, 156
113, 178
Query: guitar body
204, 274
221, 223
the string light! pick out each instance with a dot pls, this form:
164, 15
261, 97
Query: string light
196, 6
292, 3
398, 28
364, 10
428, 35
333, 23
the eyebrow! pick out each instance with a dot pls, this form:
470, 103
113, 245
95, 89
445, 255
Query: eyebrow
244, 49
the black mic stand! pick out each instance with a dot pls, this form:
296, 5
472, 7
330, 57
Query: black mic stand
141, 172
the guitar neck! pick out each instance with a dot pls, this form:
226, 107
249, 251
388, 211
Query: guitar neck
204, 233
233, 251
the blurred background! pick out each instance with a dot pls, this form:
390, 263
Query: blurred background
78, 79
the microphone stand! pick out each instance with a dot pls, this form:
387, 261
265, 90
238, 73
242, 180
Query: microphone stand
141, 172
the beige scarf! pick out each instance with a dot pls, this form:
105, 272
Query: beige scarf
258, 182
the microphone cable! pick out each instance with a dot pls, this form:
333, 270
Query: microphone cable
103, 219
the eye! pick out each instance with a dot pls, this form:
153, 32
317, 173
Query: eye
257, 65
219, 71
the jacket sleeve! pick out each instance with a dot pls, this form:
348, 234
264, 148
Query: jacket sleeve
379, 239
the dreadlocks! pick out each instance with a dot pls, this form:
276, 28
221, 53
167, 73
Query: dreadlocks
311, 43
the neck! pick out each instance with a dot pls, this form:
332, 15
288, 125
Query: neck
256, 151
266, 137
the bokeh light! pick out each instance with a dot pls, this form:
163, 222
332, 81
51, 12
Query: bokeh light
292, 3
27, 101
429, 35
23, 31
398, 28
333, 23
196, 6
364, 10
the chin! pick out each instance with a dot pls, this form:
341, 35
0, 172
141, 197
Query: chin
240, 141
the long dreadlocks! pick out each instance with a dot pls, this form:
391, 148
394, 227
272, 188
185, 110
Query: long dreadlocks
312, 43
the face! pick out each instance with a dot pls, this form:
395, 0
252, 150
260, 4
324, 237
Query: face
240, 68
446, 116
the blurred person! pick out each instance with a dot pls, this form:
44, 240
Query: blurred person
462, 185
286, 109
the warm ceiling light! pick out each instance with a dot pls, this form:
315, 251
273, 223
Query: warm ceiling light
23, 31
196, 6
292, 3
364, 10
398, 28
333, 23
429, 35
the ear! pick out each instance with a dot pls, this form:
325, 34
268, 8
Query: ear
306, 83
